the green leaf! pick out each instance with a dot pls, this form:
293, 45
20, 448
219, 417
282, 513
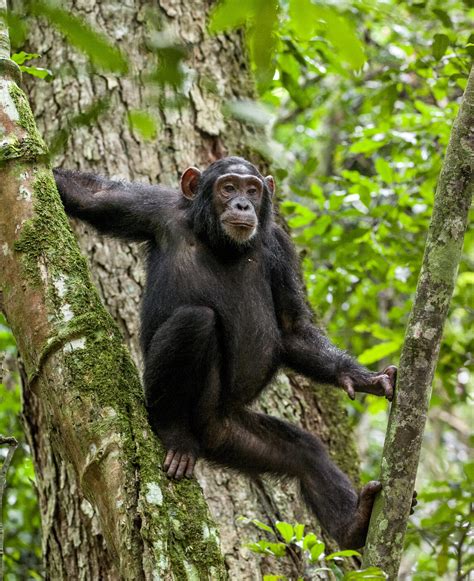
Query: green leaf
303, 18
384, 170
309, 540
260, 17
285, 530
346, 553
230, 14
316, 551
469, 470
465, 279
143, 123
95, 45
299, 531
306, 18
378, 352
369, 573
444, 17
262, 526
22, 56
37, 72
439, 46
341, 33
366, 146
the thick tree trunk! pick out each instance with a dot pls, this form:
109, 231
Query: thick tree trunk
422, 342
194, 134
87, 425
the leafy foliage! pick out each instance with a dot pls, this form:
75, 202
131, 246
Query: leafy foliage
20, 509
286, 538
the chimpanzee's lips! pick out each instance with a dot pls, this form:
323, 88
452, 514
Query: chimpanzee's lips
241, 224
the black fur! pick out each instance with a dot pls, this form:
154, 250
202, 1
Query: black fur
218, 319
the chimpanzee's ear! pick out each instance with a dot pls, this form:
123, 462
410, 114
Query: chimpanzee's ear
270, 183
189, 182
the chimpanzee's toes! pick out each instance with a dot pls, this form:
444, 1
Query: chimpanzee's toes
368, 492
179, 464
356, 533
414, 502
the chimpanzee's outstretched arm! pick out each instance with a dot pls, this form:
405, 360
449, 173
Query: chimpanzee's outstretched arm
305, 347
131, 211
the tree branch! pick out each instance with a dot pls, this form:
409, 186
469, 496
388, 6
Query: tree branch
422, 342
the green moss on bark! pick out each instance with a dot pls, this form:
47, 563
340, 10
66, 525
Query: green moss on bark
29, 145
100, 369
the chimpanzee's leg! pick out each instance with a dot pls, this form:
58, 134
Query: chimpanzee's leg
255, 443
177, 364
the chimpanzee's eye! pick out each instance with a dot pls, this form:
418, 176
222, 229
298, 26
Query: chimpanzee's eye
229, 188
252, 191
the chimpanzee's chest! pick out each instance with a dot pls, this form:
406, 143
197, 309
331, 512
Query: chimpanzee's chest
239, 290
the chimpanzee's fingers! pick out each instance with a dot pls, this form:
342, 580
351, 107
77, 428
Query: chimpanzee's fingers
174, 465
385, 384
183, 463
168, 459
190, 468
348, 386
391, 371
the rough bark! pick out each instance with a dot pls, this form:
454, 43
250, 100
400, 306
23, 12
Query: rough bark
193, 134
422, 343
94, 452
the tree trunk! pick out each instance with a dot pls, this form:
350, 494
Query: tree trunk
194, 134
422, 342
94, 451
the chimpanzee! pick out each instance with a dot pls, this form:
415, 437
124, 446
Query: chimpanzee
224, 308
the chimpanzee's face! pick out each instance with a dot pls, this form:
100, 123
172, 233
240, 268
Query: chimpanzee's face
237, 201
240, 199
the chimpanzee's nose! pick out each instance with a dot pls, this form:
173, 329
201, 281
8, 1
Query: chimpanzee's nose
242, 204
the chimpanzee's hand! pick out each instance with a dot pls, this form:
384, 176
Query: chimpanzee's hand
378, 383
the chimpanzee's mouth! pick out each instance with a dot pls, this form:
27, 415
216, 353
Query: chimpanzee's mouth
241, 224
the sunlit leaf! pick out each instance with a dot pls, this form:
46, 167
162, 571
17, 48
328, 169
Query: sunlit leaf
143, 123
299, 531
230, 14
378, 352
369, 573
285, 530
346, 553
37, 72
309, 540
316, 551
22, 56
440, 45
384, 170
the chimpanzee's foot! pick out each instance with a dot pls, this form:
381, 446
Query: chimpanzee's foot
182, 450
356, 533
178, 464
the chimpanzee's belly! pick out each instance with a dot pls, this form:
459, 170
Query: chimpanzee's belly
250, 349
240, 294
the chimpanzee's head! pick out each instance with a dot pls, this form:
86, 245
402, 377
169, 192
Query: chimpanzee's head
231, 202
